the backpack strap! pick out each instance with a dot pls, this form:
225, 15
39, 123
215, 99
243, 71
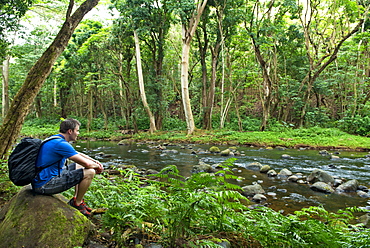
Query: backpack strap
42, 143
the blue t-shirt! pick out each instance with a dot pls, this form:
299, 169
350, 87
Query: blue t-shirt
54, 153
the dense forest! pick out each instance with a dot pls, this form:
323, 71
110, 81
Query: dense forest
165, 65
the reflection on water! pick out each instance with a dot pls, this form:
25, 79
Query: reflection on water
282, 195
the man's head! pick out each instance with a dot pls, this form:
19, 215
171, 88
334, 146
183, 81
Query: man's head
70, 129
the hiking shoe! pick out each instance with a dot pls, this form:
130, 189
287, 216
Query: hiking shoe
83, 204
80, 207
86, 207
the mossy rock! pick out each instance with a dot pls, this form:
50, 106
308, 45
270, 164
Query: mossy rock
214, 149
41, 221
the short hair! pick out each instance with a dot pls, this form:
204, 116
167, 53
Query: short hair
68, 124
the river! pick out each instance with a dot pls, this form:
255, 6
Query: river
282, 195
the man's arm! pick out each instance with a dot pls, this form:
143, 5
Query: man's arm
87, 162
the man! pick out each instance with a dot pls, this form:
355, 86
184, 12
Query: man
58, 177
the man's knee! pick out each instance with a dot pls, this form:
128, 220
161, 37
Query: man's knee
90, 173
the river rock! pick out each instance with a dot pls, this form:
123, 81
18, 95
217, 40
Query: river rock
334, 157
29, 220
265, 168
324, 152
284, 173
363, 194
124, 142
322, 187
251, 190
337, 182
363, 188
350, 186
256, 166
259, 198
203, 167
272, 173
214, 149
286, 156
225, 244
318, 175
293, 178
365, 220
280, 148
226, 152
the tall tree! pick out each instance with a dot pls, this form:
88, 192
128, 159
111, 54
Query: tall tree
71, 72
151, 21
141, 84
21, 103
190, 14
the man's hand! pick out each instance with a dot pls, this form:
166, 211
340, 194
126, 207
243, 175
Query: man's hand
100, 169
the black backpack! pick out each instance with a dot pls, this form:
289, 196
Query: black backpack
22, 160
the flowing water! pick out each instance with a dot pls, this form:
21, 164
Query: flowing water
281, 194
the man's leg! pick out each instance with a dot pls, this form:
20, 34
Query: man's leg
82, 187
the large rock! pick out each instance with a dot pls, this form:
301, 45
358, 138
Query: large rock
322, 187
284, 173
350, 186
41, 221
203, 167
251, 190
256, 166
318, 175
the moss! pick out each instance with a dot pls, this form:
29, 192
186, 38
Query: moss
33, 221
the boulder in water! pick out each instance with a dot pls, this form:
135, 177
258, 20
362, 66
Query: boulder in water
350, 186
318, 175
251, 190
322, 187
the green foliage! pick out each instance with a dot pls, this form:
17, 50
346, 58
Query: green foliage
317, 117
175, 207
355, 125
192, 210
171, 123
10, 13
7, 188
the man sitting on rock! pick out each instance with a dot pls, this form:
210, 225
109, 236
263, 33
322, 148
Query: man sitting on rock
57, 176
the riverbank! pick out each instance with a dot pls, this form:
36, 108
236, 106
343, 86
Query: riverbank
313, 138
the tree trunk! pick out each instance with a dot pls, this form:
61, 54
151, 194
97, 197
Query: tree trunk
203, 57
5, 96
37, 75
212, 87
187, 35
185, 88
152, 128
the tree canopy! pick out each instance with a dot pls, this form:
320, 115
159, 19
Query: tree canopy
237, 65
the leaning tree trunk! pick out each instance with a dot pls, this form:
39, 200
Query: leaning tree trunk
37, 75
5, 77
152, 128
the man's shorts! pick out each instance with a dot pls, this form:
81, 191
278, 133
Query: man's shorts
68, 178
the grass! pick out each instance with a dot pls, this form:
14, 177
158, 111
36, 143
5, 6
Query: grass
314, 137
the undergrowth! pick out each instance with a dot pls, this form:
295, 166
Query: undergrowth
205, 210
